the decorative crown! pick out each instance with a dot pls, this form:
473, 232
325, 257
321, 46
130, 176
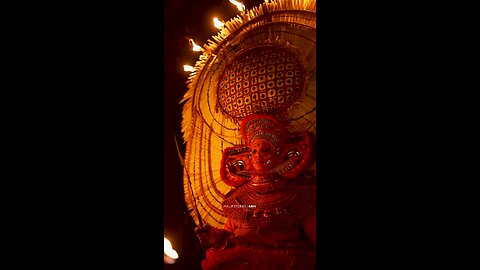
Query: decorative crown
262, 126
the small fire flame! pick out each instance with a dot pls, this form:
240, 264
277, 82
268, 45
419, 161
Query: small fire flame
170, 255
239, 5
188, 68
195, 47
218, 24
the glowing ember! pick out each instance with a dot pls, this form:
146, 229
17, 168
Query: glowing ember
168, 250
195, 47
188, 68
239, 5
218, 24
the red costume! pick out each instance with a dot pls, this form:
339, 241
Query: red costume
271, 212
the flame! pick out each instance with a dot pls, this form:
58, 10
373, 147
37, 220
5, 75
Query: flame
239, 5
168, 250
188, 68
195, 47
172, 253
166, 244
218, 24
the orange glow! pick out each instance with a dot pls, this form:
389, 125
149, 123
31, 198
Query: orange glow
188, 68
218, 24
195, 47
239, 5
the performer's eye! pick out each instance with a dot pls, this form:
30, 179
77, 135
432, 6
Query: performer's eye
266, 149
254, 151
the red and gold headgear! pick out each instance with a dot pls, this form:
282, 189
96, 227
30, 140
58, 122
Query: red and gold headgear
262, 126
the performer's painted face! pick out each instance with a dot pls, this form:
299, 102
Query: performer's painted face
263, 155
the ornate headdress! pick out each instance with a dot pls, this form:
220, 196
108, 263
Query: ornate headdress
261, 62
262, 126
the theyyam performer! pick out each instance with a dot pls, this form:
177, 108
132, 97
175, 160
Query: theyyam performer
249, 119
